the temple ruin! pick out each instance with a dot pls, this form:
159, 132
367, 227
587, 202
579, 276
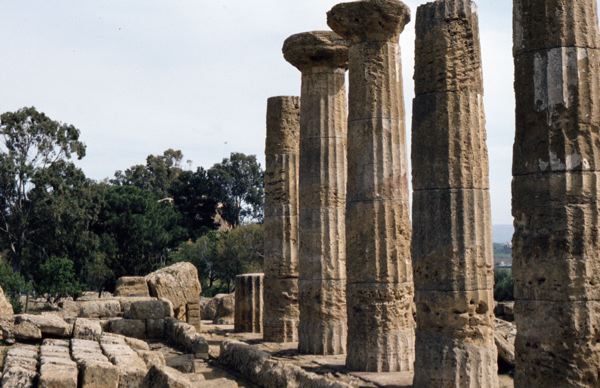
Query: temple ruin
452, 232
556, 247
322, 57
378, 230
282, 314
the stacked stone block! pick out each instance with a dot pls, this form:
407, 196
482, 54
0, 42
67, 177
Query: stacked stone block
378, 235
20, 366
556, 160
94, 368
249, 303
281, 313
57, 370
452, 245
132, 369
322, 58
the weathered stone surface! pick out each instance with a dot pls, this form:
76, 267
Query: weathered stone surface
49, 324
87, 329
377, 216
151, 358
149, 309
193, 316
26, 331
224, 308
6, 310
177, 283
132, 369
539, 25
182, 362
282, 314
452, 233
322, 57
155, 328
95, 370
504, 336
57, 370
249, 303
556, 249
20, 366
185, 337
166, 377
129, 327
131, 286
257, 366
109, 308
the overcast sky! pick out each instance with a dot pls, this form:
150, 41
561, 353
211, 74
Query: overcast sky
140, 76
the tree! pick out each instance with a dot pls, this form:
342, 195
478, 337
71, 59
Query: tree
503, 284
57, 279
203, 253
241, 177
197, 198
156, 176
137, 230
29, 142
13, 285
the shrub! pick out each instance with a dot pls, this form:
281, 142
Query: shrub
13, 285
57, 279
503, 284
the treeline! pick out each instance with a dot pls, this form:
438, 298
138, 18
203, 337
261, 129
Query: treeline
61, 232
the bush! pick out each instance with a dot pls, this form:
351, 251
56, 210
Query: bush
13, 285
57, 279
503, 285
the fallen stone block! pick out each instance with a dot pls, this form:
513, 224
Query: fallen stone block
26, 331
136, 344
224, 309
151, 358
182, 362
98, 309
87, 329
185, 337
57, 370
177, 283
165, 377
129, 327
149, 309
95, 370
132, 369
155, 328
132, 286
258, 367
50, 325
20, 366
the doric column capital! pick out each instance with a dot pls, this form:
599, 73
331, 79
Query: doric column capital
308, 50
369, 20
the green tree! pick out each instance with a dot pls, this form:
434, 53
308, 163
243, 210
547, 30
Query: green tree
203, 253
503, 285
197, 198
29, 142
137, 230
157, 175
57, 279
13, 285
241, 177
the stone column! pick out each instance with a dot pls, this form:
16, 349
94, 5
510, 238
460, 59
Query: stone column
322, 58
452, 232
248, 315
380, 287
281, 314
556, 208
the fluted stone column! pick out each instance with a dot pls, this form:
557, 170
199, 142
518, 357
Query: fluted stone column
248, 313
556, 208
380, 287
281, 315
452, 233
322, 58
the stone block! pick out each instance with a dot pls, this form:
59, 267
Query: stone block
249, 303
57, 370
49, 324
132, 286
163, 376
149, 309
282, 313
155, 328
129, 327
87, 329
100, 309
177, 283
26, 331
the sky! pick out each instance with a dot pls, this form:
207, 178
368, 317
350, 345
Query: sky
140, 76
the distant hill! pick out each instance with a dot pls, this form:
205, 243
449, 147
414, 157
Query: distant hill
502, 233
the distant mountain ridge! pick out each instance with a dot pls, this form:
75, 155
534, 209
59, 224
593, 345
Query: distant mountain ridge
502, 234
